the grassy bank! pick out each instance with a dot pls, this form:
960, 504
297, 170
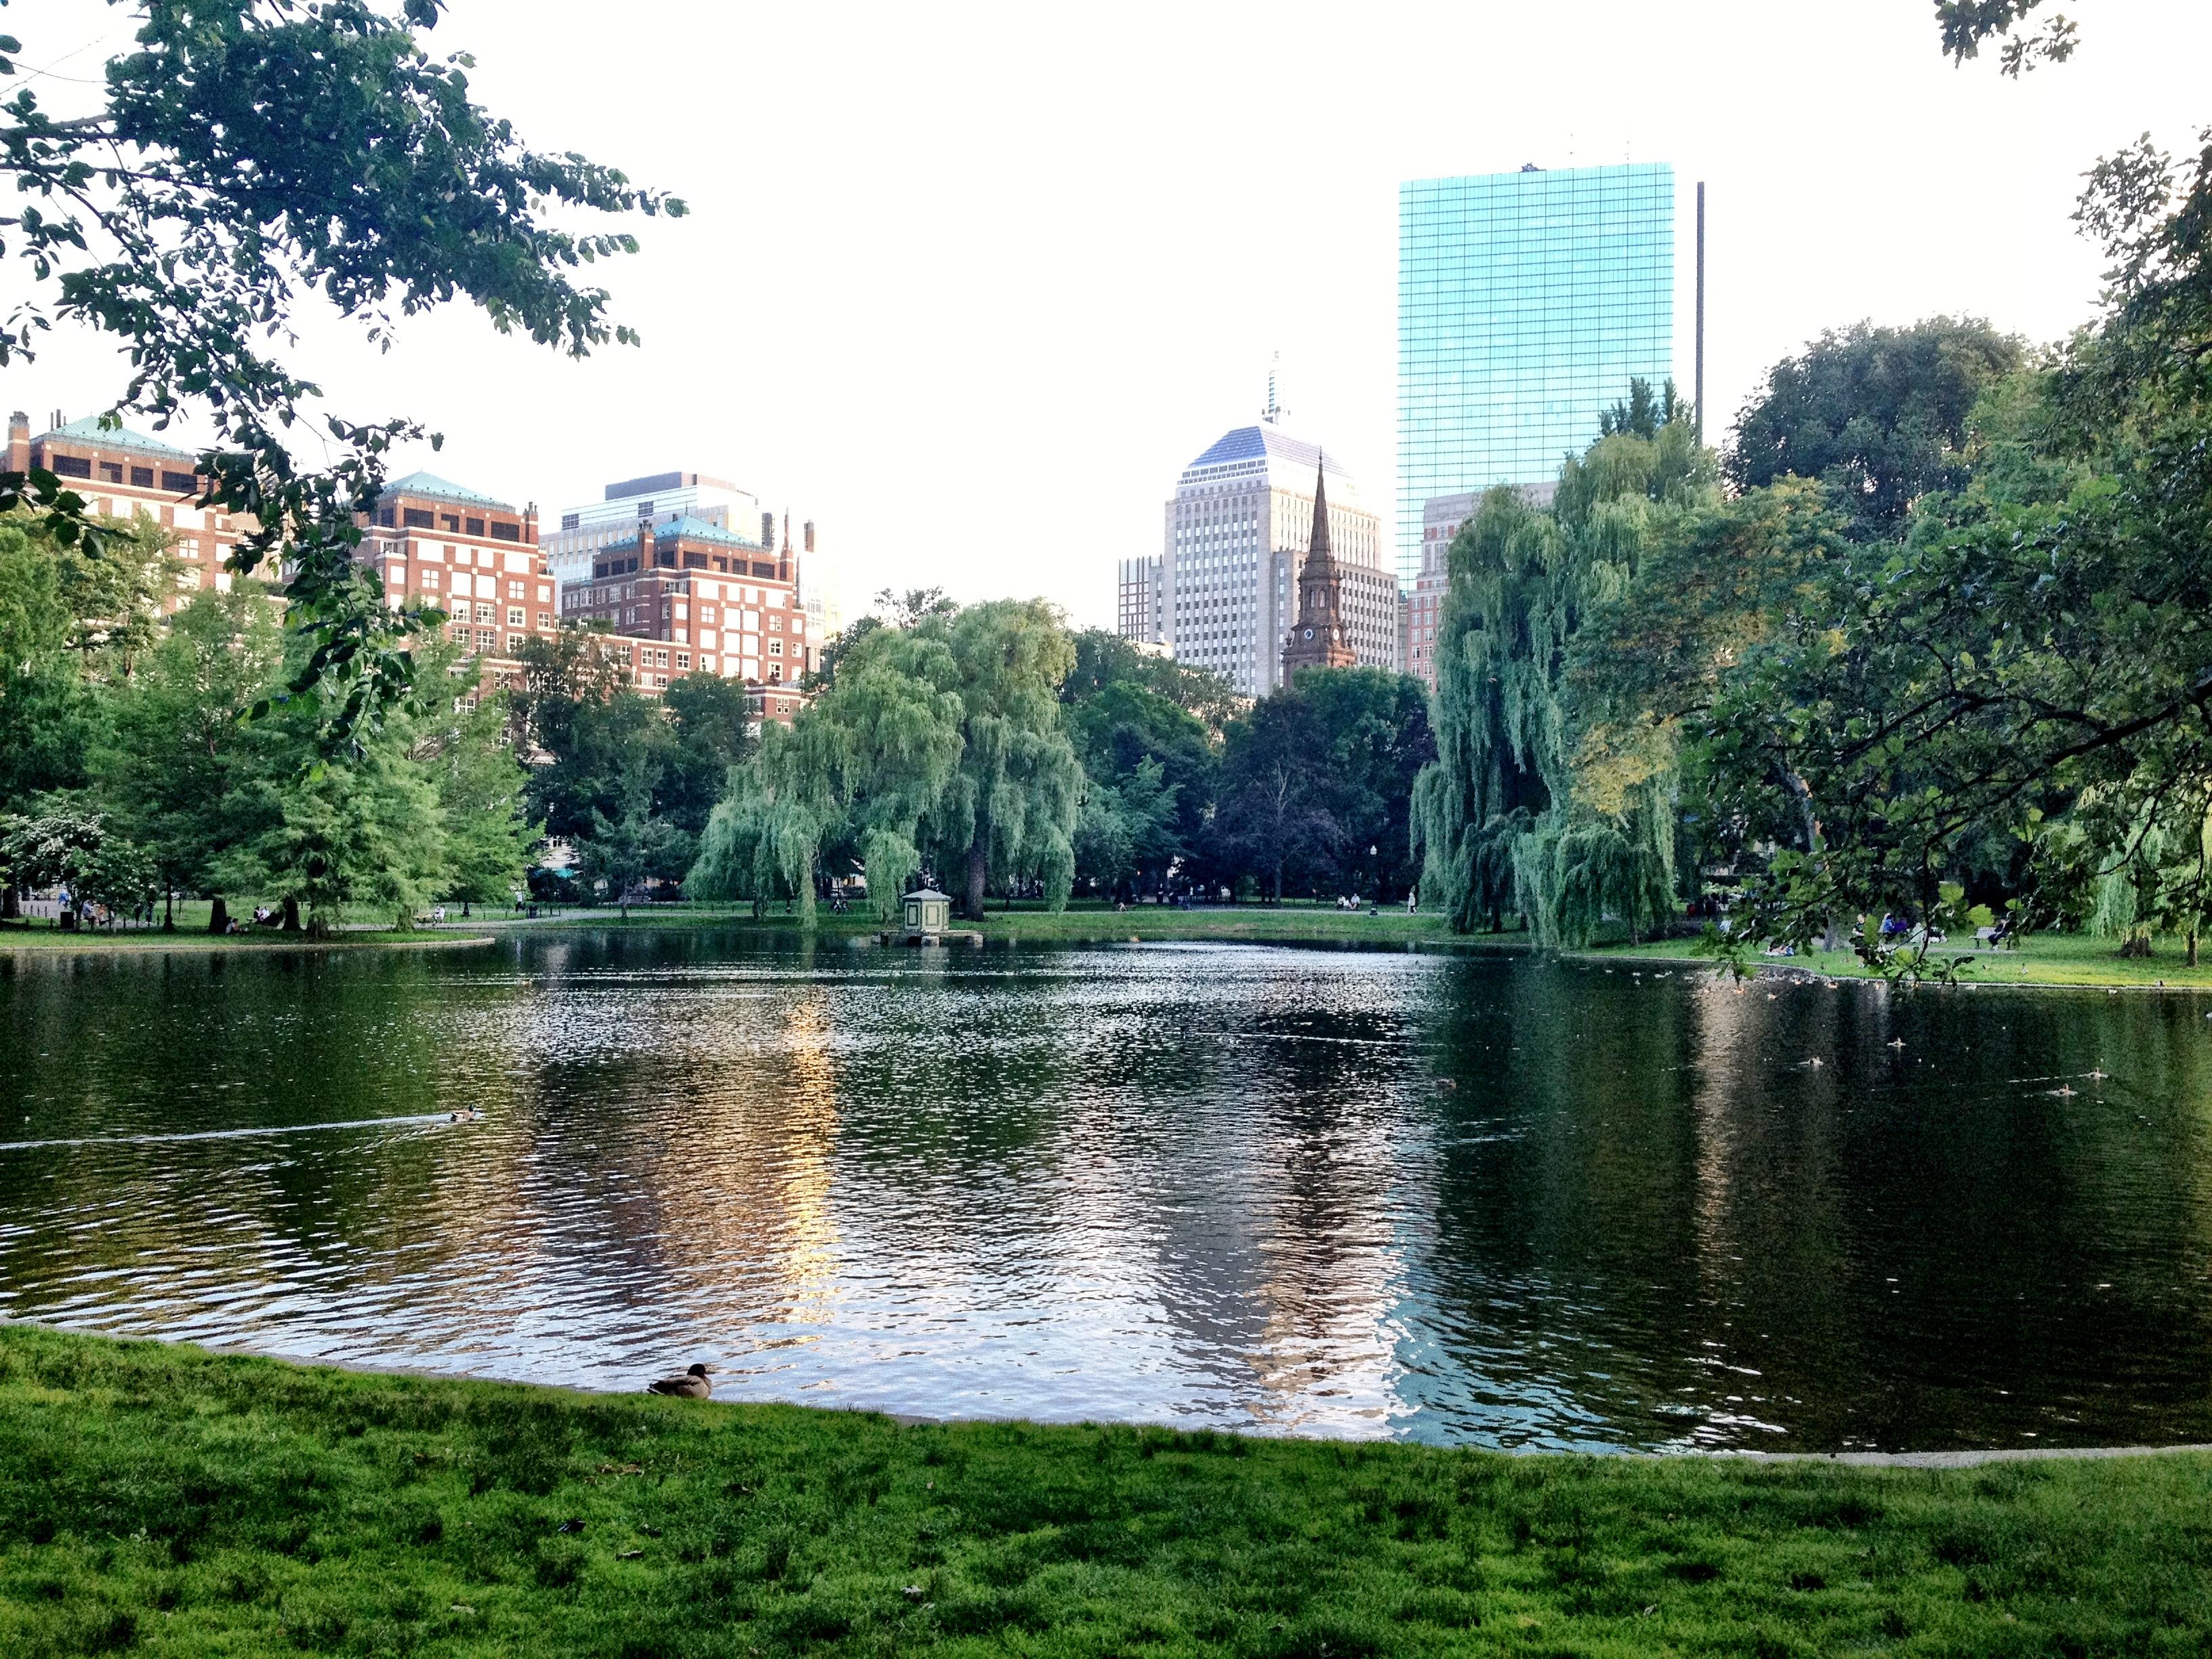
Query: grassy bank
46, 939
160, 1500
2041, 959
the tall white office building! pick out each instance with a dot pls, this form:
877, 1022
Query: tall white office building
1238, 528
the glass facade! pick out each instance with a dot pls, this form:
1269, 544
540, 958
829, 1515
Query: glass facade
1526, 300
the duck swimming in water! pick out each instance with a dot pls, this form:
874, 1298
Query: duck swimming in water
691, 1384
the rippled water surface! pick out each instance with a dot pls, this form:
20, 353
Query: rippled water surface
1476, 1199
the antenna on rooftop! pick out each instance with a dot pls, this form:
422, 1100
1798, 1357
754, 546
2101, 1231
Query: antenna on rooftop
1274, 413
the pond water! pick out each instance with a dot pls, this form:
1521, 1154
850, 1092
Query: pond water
1452, 1198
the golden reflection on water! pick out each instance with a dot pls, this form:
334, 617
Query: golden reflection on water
1290, 1190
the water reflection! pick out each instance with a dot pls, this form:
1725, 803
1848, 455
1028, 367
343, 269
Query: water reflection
1368, 1194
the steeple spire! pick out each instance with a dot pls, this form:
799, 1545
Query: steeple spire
1318, 548
1318, 638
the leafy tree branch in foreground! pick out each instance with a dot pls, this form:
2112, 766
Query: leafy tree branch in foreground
248, 154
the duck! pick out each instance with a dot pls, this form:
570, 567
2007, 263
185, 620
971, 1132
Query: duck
465, 1115
1446, 1087
688, 1384
1897, 1043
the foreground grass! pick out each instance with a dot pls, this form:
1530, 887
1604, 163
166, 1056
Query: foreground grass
161, 1500
2041, 959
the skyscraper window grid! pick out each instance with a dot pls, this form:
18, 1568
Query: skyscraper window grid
1526, 303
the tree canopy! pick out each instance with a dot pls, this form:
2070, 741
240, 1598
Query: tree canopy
1879, 415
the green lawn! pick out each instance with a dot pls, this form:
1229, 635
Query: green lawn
158, 1500
2041, 959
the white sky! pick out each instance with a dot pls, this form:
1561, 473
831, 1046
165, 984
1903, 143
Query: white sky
968, 285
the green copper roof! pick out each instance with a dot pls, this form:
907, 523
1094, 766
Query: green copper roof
88, 430
689, 529
430, 486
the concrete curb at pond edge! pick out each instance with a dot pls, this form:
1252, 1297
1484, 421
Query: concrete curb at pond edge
1939, 1460
1956, 1459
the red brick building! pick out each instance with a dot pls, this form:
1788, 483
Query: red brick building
122, 473
478, 559
707, 599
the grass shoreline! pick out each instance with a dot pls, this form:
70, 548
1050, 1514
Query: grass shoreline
50, 940
163, 1500
2056, 962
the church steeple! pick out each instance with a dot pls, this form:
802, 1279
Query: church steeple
1317, 639
1318, 547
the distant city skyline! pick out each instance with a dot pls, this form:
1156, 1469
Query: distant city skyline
1239, 527
933, 270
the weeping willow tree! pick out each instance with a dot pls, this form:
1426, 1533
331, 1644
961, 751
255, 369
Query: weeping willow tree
1009, 810
1532, 805
2152, 874
867, 763
764, 837
942, 737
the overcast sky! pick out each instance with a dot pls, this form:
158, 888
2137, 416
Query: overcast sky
968, 285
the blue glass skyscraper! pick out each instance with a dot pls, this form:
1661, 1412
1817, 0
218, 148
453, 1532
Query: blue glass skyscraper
1526, 302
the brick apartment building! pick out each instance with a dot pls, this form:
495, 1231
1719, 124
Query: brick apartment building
476, 558
707, 599
122, 473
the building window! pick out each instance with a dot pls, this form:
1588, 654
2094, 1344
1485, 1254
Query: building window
111, 470
452, 521
476, 526
484, 611
183, 483
516, 617
485, 638
545, 621
70, 466
142, 477
776, 647
418, 517
683, 659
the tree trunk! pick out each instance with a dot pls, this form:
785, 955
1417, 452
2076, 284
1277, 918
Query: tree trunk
1278, 881
11, 905
291, 913
168, 908
2192, 950
218, 917
979, 866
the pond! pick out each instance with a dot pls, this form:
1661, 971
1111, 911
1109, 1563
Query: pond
1474, 1200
